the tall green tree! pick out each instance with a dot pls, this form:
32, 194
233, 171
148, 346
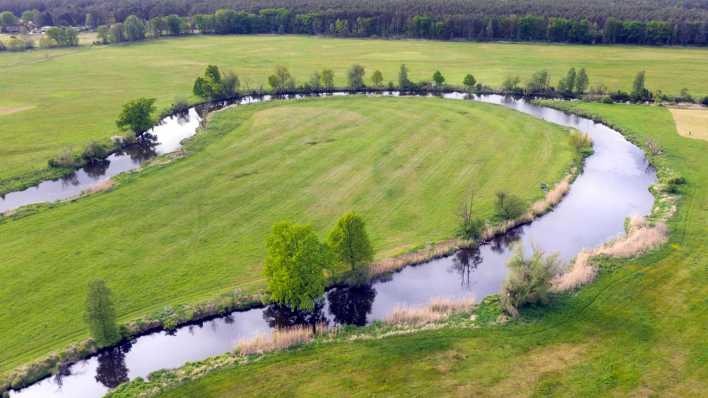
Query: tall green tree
7, 18
439, 79
403, 82
350, 244
377, 78
315, 81
100, 315
136, 115
295, 265
355, 77
538, 83
134, 28
566, 85
581, 82
469, 82
215, 84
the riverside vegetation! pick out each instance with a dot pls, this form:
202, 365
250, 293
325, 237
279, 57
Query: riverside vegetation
198, 210
638, 329
75, 93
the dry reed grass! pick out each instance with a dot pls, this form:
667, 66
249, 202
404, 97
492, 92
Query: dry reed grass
98, 187
640, 238
278, 340
438, 309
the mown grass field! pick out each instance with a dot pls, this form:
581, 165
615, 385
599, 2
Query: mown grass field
64, 98
187, 231
639, 330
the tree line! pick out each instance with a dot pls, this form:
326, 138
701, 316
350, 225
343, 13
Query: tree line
649, 22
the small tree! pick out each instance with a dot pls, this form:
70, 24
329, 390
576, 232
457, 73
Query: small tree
7, 18
100, 314
295, 265
281, 80
216, 85
377, 78
511, 84
469, 82
438, 79
136, 116
355, 77
134, 28
639, 91
581, 82
315, 81
328, 79
538, 83
470, 227
529, 280
350, 244
403, 82
566, 85
508, 206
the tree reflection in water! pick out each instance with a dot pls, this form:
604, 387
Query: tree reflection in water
464, 262
502, 242
351, 305
144, 149
97, 168
280, 316
111, 366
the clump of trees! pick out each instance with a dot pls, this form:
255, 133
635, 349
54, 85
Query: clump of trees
355, 77
574, 84
281, 81
137, 116
215, 85
529, 280
100, 315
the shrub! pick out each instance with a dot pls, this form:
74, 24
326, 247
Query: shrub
529, 279
581, 142
508, 206
65, 159
470, 227
704, 101
94, 152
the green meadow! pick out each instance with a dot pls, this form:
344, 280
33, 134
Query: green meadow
639, 330
51, 100
188, 230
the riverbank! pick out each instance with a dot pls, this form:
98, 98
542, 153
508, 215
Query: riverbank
636, 329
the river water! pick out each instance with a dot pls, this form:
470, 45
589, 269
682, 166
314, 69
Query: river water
614, 185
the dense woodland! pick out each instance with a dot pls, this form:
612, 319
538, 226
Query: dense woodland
653, 22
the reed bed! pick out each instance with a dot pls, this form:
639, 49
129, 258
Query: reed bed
438, 309
280, 339
640, 238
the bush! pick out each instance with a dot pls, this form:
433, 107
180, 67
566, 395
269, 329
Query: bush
581, 142
470, 227
704, 101
620, 96
529, 280
64, 160
95, 152
508, 206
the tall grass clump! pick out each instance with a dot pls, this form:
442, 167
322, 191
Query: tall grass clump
438, 309
582, 143
529, 281
280, 339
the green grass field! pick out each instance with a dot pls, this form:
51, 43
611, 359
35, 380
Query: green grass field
639, 330
64, 98
187, 231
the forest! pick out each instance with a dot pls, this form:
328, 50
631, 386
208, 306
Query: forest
647, 22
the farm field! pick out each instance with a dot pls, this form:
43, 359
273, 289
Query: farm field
639, 330
65, 98
187, 231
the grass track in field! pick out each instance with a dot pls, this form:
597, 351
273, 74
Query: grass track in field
637, 331
190, 230
77, 93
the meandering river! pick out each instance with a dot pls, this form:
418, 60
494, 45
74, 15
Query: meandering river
614, 185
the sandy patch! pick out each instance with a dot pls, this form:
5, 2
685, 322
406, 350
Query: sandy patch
8, 110
691, 122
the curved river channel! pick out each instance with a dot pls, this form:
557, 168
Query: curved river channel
614, 185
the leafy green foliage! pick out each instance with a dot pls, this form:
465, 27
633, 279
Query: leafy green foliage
355, 77
469, 82
470, 226
508, 206
403, 82
215, 85
529, 279
377, 78
136, 116
281, 80
100, 314
438, 78
350, 244
295, 265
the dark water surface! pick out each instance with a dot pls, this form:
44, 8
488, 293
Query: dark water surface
614, 185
